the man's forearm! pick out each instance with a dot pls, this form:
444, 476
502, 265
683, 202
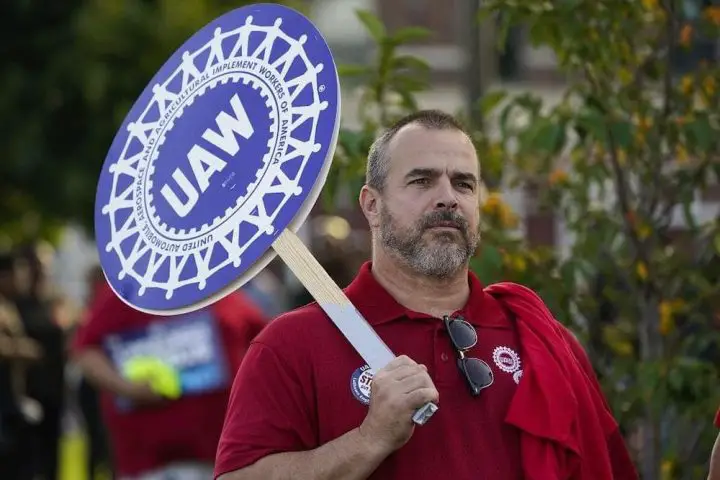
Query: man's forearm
349, 457
99, 371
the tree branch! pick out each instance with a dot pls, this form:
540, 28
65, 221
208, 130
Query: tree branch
658, 191
620, 183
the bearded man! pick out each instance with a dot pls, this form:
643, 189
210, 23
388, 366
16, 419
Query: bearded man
517, 396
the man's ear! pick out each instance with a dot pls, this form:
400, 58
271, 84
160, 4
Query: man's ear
369, 203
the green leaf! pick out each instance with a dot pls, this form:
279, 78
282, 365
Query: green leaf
488, 264
410, 34
348, 70
372, 23
622, 134
591, 123
350, 141
409, 83
409, 61
491, 100
700, 133
550, 138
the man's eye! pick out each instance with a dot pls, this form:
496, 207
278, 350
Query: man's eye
466, 185
420, 181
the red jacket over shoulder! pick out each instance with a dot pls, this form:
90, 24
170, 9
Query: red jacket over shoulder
567, 428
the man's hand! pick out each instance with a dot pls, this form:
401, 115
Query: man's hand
19, 348
28, 349
143, 394
397, 391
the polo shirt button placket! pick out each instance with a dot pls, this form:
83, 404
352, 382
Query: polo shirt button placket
445, 371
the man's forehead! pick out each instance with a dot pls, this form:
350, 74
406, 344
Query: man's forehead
417, 147
410, 135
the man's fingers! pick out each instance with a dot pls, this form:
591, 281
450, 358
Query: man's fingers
415, 382
421, 396
398, 362
404, 371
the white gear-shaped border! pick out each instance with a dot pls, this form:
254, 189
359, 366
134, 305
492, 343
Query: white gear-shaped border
496, 358
120, 201
517, 376
180, 234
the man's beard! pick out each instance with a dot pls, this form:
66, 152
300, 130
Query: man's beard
439, 254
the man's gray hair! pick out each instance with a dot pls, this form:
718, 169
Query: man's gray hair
378, 163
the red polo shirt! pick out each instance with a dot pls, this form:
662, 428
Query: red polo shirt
301, 385
184, 429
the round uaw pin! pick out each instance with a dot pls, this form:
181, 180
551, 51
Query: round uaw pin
506, 359
360, 383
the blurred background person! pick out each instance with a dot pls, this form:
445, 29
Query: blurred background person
18, 412
98, 456
35, 303
149, 433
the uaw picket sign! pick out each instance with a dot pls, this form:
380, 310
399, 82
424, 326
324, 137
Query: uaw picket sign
220, 153
218, 163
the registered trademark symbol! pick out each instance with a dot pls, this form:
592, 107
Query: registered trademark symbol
321, 88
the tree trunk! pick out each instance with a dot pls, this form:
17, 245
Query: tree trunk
650, 352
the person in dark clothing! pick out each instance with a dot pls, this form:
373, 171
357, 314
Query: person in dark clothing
46, 378
17, 411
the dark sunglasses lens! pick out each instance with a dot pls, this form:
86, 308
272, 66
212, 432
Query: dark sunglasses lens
462, 334
478, 373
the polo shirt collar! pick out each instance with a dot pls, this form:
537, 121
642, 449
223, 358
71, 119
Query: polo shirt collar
378, 306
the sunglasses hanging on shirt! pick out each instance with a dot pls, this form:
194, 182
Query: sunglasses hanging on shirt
478, 374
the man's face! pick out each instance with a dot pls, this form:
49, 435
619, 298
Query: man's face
428, 212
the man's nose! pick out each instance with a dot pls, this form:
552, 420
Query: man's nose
447, 198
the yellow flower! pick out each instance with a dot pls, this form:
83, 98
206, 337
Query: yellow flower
667, 311
625, 76
666, 318
492, 203
687, 84
667, 469
519, 263
681, 154
495, 207
639, 138
650, 4
643, 231
709, 86
641, 270
622, 157
712, 13
558, 176
515, 262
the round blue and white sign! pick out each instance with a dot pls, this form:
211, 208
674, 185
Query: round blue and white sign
228, 145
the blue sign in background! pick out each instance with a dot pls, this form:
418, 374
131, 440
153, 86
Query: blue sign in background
163, 294
189, 343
